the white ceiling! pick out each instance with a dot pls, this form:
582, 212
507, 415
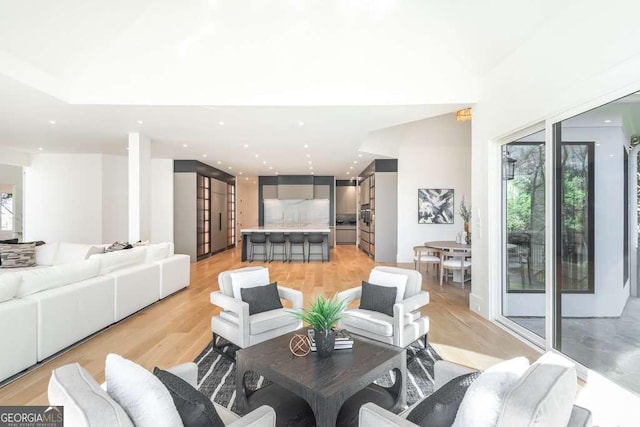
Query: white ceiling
344, 68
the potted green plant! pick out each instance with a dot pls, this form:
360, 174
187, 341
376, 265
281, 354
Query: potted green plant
322, 316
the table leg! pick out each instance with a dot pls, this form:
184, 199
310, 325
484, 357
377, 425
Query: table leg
325, 411
241, 395
245, 240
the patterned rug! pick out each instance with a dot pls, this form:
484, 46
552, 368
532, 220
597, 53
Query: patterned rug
217, 375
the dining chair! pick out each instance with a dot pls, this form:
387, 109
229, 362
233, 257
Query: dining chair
456, 260
426, 255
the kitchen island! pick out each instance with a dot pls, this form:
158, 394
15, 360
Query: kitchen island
286, 229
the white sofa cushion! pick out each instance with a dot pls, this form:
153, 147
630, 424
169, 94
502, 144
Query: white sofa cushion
544, 395
383, 278
157, 252
71, 252
112, 261
85, 403
140, 393
263, 322
46, 254
59, 275
483, 401
248, 279
9, 284
372, 321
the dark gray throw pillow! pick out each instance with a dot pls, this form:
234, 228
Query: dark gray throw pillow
261, 298
441, 407
194, 408
378, 298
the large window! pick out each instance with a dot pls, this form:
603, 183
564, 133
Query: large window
6, 212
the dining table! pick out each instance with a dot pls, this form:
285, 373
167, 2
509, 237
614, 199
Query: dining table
443, 246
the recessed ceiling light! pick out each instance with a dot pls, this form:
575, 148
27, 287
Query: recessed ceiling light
53, 122
230, 167
309, 161
221, 123
246, 178
312, 173
240, 173
308, 155
310, 167
185, 145
246, 145
276, 173
360, 155
270, 167
300, 123
256, 155
355, 162
264, 162
350, 167
610, 155
347, 172
219, 162
204, 155
140, 122
40, 148
607, 121
306, 145
254, 182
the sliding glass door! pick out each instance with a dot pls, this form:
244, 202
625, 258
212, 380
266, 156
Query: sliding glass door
523, 243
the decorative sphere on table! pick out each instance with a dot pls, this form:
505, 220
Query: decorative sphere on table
299, 345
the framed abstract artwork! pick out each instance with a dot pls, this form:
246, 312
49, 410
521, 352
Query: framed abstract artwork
435, 206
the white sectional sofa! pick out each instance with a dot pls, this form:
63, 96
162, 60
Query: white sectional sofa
76, 290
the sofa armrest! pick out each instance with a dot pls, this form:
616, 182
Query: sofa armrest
413, 303
444, 372
263, 416
373, 415
292, 295
228, 303
350, 295
186, 371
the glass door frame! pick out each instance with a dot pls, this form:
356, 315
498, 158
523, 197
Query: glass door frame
497, 209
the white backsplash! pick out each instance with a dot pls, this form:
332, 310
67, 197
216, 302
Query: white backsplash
294, 212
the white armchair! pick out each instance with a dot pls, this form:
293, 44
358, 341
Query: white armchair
234, 323
407, 324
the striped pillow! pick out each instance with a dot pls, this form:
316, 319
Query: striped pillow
14, 256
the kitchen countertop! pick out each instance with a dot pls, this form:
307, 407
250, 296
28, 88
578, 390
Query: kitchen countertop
306, 228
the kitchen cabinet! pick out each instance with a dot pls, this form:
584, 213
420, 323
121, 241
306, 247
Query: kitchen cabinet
321, 191
295, 192
364, 192
346, 236
269, 191
346, 199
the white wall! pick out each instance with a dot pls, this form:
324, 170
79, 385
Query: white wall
63, 198
585, 55
114, 199
432, 153
161, 200
12, 175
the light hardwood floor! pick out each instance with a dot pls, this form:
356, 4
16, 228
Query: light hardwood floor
176, 329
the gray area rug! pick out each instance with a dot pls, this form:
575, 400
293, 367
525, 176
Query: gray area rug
217, 375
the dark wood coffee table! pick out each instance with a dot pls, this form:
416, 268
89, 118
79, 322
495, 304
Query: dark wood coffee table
325, 384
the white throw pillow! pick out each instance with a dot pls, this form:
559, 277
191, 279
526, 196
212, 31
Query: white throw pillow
142, 395
157, 252
9, 284
382, 278
71, 252
544, 394
248, 279
112, 261
485, 396
46, 254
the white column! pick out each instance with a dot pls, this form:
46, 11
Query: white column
139, 187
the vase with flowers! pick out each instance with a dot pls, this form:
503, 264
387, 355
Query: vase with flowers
465, 213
